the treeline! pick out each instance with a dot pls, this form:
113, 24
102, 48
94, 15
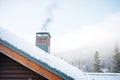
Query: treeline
99, 64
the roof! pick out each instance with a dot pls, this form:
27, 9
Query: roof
103, 76
48, 61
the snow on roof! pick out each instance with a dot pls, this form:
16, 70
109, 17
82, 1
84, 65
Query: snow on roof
103, 76
40, 55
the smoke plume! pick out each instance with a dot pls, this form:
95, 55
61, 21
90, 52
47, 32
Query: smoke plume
50, 8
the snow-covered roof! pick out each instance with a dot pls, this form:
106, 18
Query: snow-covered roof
40, 56
103, 76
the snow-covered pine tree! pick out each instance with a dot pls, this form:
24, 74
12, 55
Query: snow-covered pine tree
116, 61
96, 64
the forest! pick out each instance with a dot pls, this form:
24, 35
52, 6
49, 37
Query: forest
107, 64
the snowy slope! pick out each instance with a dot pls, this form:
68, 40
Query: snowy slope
40, 55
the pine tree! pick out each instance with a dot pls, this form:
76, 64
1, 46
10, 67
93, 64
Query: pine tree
116, 61
96, 64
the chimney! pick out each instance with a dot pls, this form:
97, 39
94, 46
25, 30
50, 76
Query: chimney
43, 41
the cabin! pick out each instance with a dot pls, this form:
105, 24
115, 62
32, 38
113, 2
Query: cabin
11, 69
20, 60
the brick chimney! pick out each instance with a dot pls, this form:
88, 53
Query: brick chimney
43, 41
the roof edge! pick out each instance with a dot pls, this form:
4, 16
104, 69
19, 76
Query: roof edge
42, 64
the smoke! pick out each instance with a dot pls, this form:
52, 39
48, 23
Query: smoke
50, 9
47, 21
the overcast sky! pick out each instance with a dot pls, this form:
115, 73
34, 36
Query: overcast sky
74, 24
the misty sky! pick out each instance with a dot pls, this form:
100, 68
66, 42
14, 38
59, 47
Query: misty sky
74, 24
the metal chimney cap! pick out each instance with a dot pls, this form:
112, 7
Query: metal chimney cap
43, 33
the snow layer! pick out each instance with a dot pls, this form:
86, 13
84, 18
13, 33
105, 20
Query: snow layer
103, 76
40, 55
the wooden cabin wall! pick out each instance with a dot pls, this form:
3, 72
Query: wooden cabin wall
12, 70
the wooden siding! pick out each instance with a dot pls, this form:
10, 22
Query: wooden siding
12, 70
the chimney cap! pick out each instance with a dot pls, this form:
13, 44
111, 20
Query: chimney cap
43, 33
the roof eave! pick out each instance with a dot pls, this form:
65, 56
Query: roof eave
42, 64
